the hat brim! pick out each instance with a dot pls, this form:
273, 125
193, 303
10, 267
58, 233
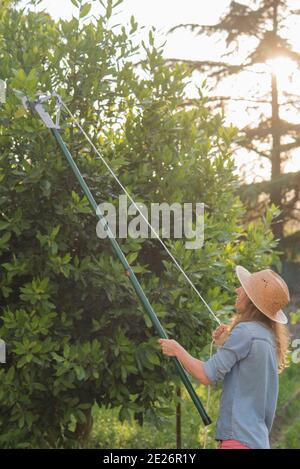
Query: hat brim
244, 278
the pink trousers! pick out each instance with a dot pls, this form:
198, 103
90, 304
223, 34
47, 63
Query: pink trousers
232, 444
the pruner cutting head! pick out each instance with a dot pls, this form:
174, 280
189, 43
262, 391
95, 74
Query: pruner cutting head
37, 105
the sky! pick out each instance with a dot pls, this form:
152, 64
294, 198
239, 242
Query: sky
164, 14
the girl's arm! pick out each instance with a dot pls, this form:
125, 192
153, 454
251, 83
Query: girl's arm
192, 365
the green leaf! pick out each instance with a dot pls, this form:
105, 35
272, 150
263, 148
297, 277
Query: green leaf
132, 257
4, 225
22, 361
10, 374
85, 10
80, 373
153, 358
109, 9
4, 239
124, 414
19, 94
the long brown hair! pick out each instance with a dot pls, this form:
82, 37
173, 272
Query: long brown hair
280, 331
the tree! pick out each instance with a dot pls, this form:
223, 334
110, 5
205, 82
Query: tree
74, 330
257, 34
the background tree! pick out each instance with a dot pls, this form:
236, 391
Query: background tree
75, 332
255, 35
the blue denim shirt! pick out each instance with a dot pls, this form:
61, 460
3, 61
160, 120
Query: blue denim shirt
247, 363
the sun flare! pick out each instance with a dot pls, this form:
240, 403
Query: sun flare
283, 68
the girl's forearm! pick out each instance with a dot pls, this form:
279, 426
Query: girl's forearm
192, 365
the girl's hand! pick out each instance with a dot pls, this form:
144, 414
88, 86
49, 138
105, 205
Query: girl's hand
169, 347
220, 335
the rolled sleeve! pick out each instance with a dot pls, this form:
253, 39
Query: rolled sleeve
236, 348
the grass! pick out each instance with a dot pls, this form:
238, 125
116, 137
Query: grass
286, 428
109, 432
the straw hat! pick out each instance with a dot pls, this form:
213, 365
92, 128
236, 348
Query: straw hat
267, 291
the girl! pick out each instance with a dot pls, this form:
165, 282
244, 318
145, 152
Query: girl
250, 353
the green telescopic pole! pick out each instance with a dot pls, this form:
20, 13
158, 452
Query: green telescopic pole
136, 285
